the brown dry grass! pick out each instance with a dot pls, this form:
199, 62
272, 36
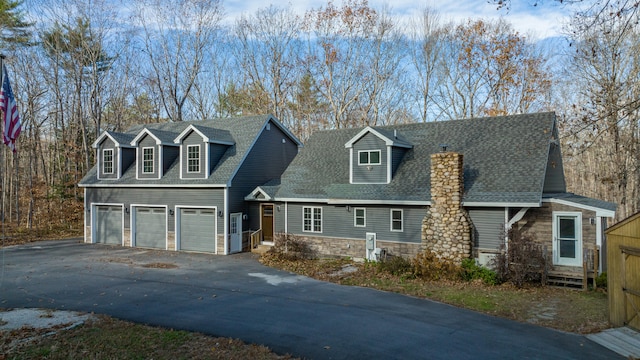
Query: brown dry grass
108, 338
563, 309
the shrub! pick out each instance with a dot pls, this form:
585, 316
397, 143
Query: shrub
395, 265
523, 261
601, 280
428, 266
472, 271
290, 247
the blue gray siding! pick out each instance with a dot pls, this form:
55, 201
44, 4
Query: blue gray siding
338, 222
128, 158
148, 141
554, 175
216, 151
488, 227
370, 173
397, 153
159, 197
107, 143
193, 139
266, 161
169, 156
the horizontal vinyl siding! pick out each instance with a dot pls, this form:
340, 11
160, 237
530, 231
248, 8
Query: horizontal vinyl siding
338, 222
216, 151
266, 161
488, 227
377, 173
128, 158
160, 197
169, 156
397, 154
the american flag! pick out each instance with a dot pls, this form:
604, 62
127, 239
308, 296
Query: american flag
10, 117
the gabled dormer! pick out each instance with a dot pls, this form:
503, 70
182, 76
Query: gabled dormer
200, 150
374, 155
114, 154
155, 152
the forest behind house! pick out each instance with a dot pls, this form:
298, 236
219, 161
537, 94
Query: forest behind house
79, 67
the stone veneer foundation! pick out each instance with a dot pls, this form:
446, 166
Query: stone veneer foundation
446, 229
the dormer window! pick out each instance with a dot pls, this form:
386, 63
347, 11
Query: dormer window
369, 157
193, 158
147, 160
107, 161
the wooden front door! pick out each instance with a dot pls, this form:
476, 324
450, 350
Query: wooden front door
267, 223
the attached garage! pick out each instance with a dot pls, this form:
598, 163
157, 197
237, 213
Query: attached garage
108, 224
197, 229
150, 227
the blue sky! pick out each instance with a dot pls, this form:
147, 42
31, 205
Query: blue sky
540, 21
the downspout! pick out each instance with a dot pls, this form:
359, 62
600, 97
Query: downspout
599, 241
225, 225
286, 217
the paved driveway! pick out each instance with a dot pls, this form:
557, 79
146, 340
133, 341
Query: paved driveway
235, 296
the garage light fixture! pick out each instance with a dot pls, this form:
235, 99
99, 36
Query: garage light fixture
220, 213
171, 212
126, 209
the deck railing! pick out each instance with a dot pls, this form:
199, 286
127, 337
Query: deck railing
256, 236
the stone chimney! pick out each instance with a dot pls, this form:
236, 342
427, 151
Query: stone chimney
446, 229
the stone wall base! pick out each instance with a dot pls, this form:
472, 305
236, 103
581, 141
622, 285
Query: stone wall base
356, 248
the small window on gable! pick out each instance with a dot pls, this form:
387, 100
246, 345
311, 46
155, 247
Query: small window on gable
107, 161
369, 157
396, 220
193, 158
147, 160
359, 217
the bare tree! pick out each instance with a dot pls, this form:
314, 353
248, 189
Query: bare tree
176, 35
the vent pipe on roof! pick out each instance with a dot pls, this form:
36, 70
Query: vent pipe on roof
395, 133
443, 147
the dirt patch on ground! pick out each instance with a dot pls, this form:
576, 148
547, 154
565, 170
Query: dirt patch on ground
160, 265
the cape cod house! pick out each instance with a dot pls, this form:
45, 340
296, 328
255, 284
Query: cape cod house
451, 187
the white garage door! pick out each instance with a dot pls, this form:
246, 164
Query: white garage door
198, 230
151, 227
108, 224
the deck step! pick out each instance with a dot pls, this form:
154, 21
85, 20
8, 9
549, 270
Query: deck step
261, 249
565, 279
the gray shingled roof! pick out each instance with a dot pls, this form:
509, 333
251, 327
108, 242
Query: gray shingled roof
215, 134
582, 200
504, 161
122, 138
242, 131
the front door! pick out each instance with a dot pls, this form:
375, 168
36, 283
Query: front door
267, 223
567, 245
235, 233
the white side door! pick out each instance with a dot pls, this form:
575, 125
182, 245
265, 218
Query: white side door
235, 233
567, 238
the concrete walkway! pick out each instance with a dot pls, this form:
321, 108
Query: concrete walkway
624, 341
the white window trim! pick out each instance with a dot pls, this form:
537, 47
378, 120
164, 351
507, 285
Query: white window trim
104, 151
401, 220
355, 217
198, 159
580, 241
369, 157
313, 211
152, 160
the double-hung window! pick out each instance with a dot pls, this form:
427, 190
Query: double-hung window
193, 158
359, 217
397, 220
147, 160
369, 157
312, 219
107, 161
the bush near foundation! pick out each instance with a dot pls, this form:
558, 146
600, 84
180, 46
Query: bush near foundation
523, 261
290, 247
428, 266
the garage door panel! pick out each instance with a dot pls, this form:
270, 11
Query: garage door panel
108, 224
151, 227
197, 229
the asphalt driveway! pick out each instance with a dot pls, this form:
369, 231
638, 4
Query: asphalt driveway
235, 296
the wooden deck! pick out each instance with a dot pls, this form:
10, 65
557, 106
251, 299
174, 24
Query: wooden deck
623, 340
